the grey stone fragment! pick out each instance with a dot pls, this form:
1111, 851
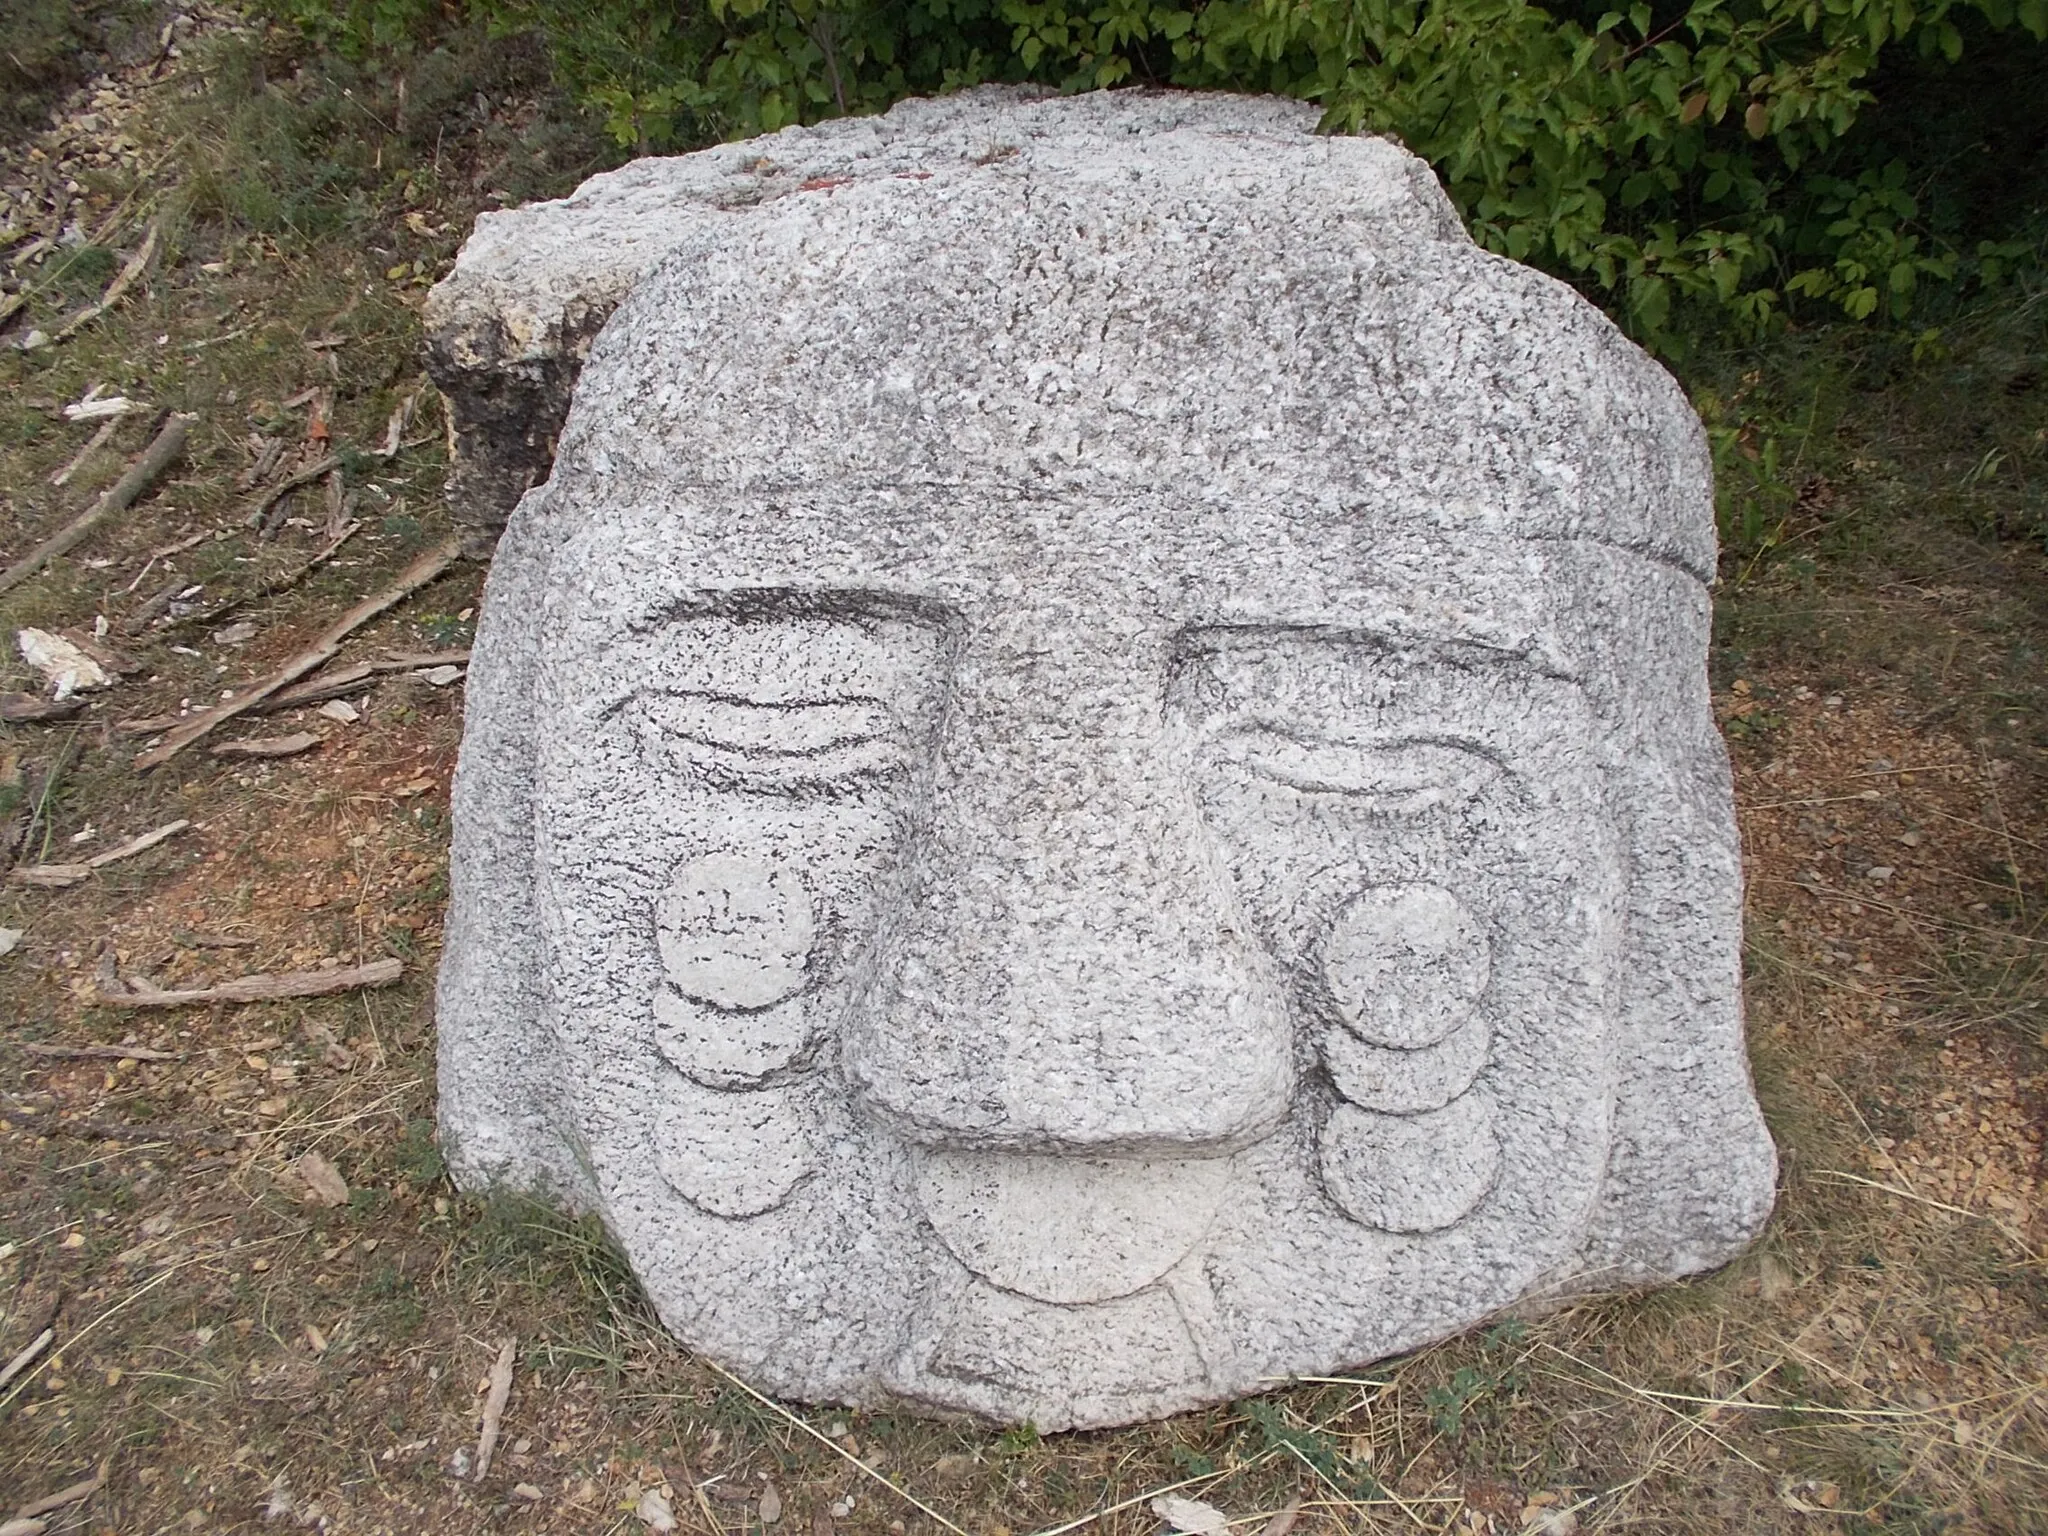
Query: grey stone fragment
1091, 782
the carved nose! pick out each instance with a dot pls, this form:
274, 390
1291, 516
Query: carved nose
1066, 972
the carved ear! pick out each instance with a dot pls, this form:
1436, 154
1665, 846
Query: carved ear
1692, 1171
500, 1076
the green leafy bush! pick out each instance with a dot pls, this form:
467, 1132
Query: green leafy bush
1695, 165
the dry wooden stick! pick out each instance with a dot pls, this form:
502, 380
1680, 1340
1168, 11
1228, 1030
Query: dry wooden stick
165, 553
57, 876
97, 442
63, 1496
119, 286
286, 486
325, 649
260, 989
27, 1357
100, 1052
494, 1405
314, 690
272, 588
165, 447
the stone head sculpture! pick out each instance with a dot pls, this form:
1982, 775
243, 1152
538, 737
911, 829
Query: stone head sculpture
1091, 784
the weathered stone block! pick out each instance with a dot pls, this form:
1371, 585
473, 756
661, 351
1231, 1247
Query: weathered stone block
1092, 783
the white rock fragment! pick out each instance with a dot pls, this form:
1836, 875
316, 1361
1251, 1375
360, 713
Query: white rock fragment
655, 1512
441, 676
1091, 782
1191, 1517
65, 668
340, 710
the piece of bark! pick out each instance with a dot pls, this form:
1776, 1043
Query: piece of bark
28, 708
57, 876
163, 448
260, 989
210, 940
423, 570
268, 746
494, 1405
99, 1052
324, 1184
123, 281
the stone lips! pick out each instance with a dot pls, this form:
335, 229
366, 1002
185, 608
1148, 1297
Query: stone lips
1092, 783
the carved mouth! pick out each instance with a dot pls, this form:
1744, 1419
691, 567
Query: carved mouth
1066, 1229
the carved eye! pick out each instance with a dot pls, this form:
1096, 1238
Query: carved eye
781, 747
1398, 778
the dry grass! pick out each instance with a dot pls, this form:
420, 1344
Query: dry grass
240, 1358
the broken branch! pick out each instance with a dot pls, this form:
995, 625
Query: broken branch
63, 1496
57, 876
123, 281
164, 448
99, 1052
417, 575
286, 486
27, 1357
260, 989
97, 442
284, 583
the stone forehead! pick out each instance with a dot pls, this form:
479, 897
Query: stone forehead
1233, 315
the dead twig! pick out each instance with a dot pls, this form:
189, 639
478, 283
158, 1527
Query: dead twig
84, 1489
57, 876
165, 447
123, 281
93, 446
494, 1405
100, 1052
261, 988
27, 1356
165, 553
254, 517
316, 690
272, 588
423, 570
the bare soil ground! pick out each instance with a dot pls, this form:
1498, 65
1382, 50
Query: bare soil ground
266, 1308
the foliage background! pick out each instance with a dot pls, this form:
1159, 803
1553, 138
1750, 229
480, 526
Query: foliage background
1697, 166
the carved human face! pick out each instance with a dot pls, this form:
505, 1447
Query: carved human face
1060, 950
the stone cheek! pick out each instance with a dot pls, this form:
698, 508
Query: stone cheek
1059, 935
